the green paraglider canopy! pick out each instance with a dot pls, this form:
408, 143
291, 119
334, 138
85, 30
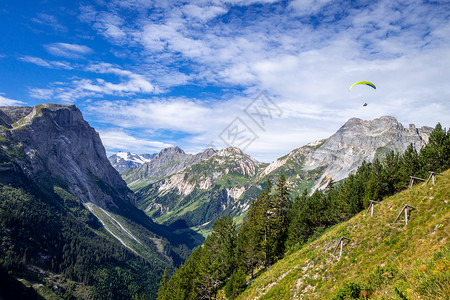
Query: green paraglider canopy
363, 82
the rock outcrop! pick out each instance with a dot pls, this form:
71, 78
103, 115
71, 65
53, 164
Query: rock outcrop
58, 152
357, 140
203, 191
60, 145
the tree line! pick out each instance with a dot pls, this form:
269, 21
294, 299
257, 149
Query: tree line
279, 222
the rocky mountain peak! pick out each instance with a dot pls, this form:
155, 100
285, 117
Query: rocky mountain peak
359, 140
166, 162
230, 152
58, 142
170, 151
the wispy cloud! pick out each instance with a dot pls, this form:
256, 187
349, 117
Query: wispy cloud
118, 139
66, 50
49, 20
42, 94
177, 114
8, 102
80, 88
45, 63
306, 65
308, 7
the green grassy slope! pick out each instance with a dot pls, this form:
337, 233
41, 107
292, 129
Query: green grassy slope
383, 260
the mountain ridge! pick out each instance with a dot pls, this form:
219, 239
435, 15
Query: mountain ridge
166, 162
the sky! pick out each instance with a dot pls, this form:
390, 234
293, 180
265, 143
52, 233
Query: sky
266, 76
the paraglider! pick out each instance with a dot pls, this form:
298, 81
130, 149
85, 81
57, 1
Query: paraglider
366, 83
363, 82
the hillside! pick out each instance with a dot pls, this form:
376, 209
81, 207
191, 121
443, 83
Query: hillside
383, 260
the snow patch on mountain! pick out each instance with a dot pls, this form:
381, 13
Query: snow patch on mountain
123, 161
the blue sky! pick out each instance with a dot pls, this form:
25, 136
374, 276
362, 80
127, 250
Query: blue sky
268, 76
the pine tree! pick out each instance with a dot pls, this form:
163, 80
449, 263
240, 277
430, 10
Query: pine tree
436, 154
235, 285
279, 208
264, 215
163, 286
218, 259
249, 241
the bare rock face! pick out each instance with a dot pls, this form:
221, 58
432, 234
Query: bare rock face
357, 140
60, 145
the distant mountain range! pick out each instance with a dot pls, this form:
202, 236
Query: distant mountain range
122, 161
196, 192
163, 164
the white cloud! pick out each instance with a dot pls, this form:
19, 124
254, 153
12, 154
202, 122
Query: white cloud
80, 88
45, 63
51, 21
171, 114
135, 83
203, 13
43, 94
308, 7
107, 24
8, 102
119, 139
72, 51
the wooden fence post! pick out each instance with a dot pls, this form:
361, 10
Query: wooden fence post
340, 243
433, 177
371, 205
405, 208
411, 182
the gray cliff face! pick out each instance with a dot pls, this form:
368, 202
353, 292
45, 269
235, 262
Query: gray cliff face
60, 144
358, 140
11, 114
166, 162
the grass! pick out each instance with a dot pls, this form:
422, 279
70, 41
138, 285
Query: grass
383, 260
